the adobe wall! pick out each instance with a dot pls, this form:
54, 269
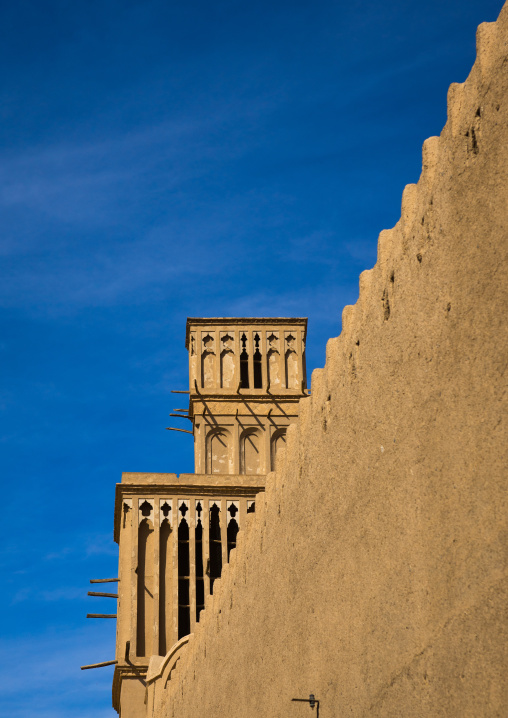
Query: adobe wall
374, 572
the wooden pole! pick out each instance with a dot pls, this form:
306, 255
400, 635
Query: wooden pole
105, 595
99, 665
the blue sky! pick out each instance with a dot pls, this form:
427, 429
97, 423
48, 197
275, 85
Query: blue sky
161, 160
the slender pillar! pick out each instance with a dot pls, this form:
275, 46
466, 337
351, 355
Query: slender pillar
299, 353
192, 563
205, 517
223, 531
174, 563
134, 576
250, 350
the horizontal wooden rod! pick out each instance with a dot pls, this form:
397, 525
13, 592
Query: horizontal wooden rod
106, 595
178, 391
172, 428
99, 665
101, 615
182, 416
104, 580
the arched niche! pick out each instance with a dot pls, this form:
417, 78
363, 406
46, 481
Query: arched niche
273, 368
227, 369
291, 369
277, 441
250, 451
218, 451
208, 370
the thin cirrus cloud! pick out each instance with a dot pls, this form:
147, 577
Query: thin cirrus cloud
60, 202
52, 660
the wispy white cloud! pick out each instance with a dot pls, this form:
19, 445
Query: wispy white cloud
41, 674
93, 223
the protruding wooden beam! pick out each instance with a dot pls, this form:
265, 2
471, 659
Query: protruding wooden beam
105, 595
104, 580
172, 428
99, 665
182, 416
101, 615
178, 391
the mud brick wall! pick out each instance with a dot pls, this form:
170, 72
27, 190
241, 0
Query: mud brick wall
374, 571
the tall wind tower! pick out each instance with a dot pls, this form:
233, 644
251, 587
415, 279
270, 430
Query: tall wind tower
175, 533
246, 377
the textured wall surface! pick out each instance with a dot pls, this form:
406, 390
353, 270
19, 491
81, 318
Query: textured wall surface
374, 571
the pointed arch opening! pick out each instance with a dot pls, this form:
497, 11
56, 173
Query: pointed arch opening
258, 368
183, 579
277, 441
144, 625
215, 567
250, 451
244, 363
218, 451
291, 369
165, 586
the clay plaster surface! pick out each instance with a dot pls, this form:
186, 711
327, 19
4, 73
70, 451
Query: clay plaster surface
374, 572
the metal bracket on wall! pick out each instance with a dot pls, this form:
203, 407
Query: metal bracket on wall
311, 700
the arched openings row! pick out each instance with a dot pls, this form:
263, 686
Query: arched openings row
212, 527
219, 451
280, 364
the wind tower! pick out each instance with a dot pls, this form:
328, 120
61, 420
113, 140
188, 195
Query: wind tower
175, 533
246, 377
